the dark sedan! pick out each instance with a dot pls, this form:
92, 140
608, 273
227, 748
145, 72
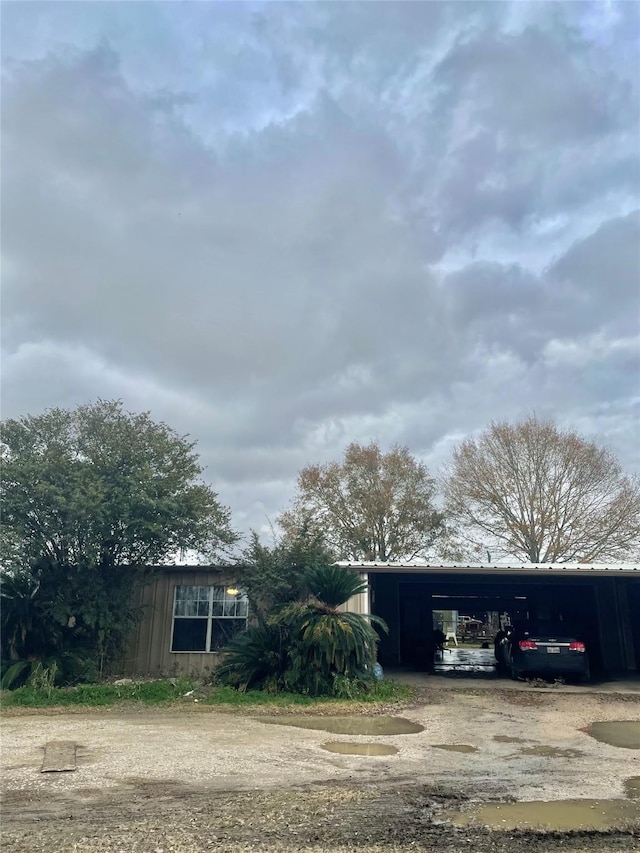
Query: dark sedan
544, 649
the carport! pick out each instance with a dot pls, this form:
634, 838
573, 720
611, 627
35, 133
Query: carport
602, 602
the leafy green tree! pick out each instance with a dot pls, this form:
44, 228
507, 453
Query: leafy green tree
371, 506
92, 497
274, 575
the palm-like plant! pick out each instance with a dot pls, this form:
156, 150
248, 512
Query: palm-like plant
324, 642
333, 585
254, 659
21, 611
33, 636
308, 646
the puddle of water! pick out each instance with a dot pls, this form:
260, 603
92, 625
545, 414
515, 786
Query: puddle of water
455, 747
345, 748
551, 752
459, 660
561, 815
624, 733
507, 739
632, 787
371, 726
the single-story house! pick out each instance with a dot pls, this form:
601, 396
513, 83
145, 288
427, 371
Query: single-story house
189, 612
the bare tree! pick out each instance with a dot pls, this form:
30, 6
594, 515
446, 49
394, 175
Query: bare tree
534, 491
370, 506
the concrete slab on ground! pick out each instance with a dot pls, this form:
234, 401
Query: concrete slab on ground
629, 686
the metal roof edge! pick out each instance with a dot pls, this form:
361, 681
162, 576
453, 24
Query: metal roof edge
190, 567
493, 568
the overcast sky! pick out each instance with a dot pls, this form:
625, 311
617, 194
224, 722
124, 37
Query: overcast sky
283, 227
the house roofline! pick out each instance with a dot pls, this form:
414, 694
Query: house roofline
556, 569
190, 567
412, 567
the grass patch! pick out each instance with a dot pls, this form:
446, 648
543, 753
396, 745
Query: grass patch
229, 696
95, 695
389, 690
170, 691
382, 692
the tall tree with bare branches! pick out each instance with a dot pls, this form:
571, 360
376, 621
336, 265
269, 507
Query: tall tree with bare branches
370, 506
536, 492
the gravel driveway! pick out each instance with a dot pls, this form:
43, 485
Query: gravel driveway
197, 779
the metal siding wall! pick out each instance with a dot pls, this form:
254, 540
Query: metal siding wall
150, 652
625, 627
358, 603
161, 615
144, 659
138, 656
386, 605
607, 623
632, 597
133, 644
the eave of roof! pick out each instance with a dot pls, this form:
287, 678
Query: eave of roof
191, 567
410, 567
493, 568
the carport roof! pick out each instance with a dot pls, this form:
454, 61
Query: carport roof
494, 568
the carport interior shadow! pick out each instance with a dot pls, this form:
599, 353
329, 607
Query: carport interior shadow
415, 604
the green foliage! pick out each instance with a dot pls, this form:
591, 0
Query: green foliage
147, 692
225, 695
68, 667
308, 647
333, 585
100, 485
272, 576
345, 689
164, 692
91, 498
325, 643
17, 672
34, 640
255, 658
388, 690
43, 677
23, 616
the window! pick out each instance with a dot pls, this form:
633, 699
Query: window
206, 617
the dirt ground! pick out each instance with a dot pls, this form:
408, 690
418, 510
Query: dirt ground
195, 779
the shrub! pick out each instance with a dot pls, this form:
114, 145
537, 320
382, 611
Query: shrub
308, 647
254, 659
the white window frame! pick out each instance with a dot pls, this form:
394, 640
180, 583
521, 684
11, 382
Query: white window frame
209, 617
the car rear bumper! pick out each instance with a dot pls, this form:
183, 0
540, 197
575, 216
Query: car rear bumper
577, 663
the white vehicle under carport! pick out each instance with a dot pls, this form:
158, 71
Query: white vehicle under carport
544, 649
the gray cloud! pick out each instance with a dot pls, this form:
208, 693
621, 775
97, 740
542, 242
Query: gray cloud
284, 228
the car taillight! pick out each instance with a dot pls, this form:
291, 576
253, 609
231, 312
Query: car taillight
527, 645
576, 647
